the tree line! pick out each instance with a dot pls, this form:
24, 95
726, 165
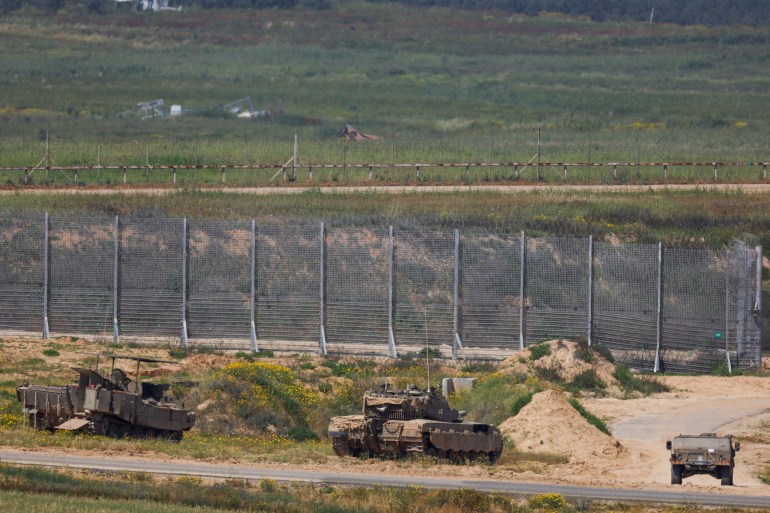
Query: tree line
682, 12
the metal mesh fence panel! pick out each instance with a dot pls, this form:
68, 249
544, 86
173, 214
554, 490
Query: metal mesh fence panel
81, 277
288, 282
357, 286
626, 301
490, 276
151, 253
708, 298
22, 241
742, 332
556, 285
219, 282
694, 314
423, 288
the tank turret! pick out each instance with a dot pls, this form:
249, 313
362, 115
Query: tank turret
409, 404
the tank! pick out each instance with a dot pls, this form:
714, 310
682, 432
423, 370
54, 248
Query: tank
413, 422
703, 454
106, 404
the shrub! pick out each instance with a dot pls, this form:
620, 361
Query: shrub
538, 351
429, 352
590, 417
588, 381
719, 368
520, 402
583, 351
547, 501
604, 352
51, 352
646, 384
179, 354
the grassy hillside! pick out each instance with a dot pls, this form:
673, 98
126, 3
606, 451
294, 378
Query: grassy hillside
435, 83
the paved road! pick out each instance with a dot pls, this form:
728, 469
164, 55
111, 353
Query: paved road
361, 479
749, 188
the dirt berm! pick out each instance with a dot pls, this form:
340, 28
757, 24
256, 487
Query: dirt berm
550, 424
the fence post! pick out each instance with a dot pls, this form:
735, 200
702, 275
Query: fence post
522, 284
116, 285
391, 338
46, 244
295, 160
590, 289
223, 174
659, 324
254, 346
184, 283
457, 343
174, 179
125, 175
371, 171
322, 293
758, 302
729, 256
716, 175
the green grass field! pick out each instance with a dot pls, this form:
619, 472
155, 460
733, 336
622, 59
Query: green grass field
439, 85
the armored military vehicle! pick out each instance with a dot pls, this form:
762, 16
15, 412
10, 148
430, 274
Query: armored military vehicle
106, 404
413, 422
702, 454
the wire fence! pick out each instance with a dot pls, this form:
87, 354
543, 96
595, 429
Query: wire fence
377, 289
254, 174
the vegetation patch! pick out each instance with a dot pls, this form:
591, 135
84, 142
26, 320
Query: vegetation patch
587, 381
538, 351
644, 384
265, 397
590, 417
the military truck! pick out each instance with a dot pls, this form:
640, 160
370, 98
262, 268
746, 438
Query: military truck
706, 453
413, 422
106, 404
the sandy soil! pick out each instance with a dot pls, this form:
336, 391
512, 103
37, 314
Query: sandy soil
635, 457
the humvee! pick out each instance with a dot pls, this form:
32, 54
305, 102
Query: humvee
706, 453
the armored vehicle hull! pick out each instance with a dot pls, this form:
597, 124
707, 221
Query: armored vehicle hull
112, 406
703, 454
413, 423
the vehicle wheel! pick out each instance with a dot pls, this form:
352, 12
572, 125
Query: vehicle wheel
473, 456
430, 452
441, 454
676, 474
493, 456
340, 446
726, 473
456, 457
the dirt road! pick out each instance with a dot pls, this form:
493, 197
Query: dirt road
697, 404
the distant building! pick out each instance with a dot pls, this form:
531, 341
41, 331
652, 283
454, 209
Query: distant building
149, 5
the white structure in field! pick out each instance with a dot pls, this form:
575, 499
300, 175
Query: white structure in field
149, 5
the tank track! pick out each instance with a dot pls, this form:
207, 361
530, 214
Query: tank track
340, 446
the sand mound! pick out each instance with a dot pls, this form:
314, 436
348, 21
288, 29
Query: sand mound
550, 424
566, 361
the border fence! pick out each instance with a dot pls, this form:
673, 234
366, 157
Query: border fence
373, 289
